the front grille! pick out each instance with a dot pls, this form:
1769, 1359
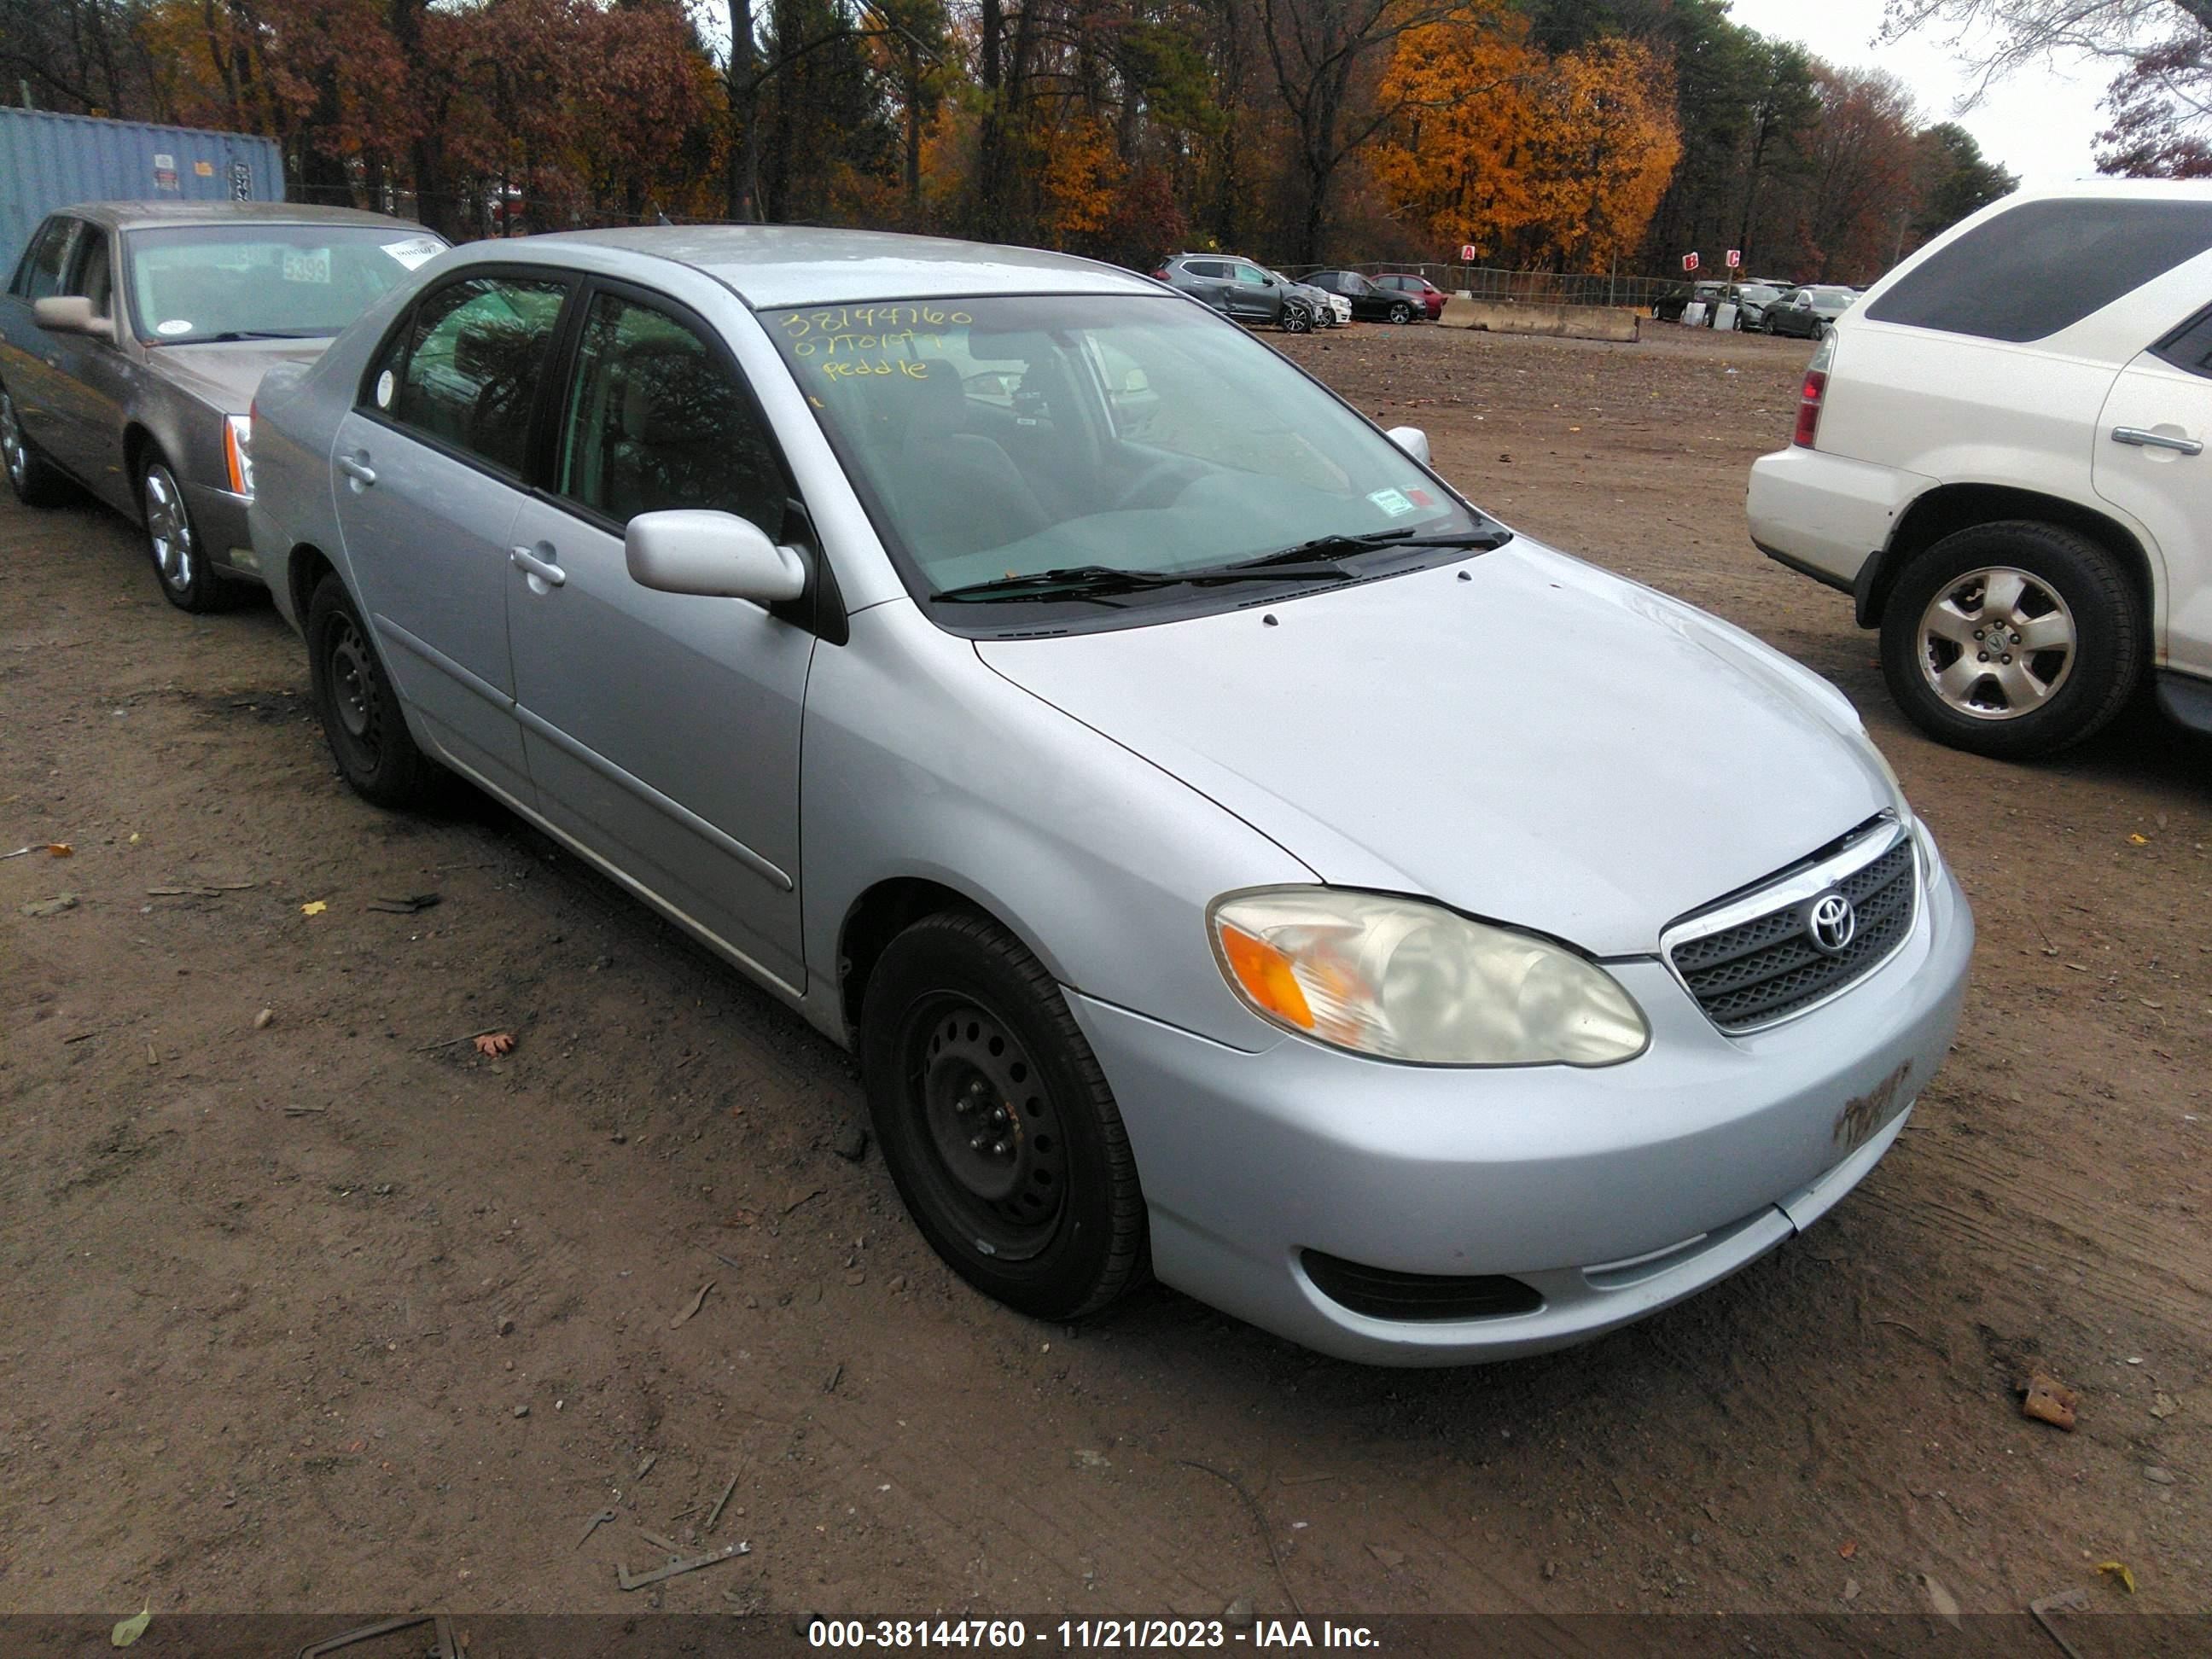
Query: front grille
1385, 1294
1767, 968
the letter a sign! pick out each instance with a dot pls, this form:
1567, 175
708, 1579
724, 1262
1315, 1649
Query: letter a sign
1689, 262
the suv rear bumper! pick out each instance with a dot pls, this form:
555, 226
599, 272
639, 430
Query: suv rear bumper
1826, 516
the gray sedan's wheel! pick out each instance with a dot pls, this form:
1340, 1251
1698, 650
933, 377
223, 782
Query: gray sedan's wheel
173, 544
1296, 320
30, 474
996, 1122
2012, 640
361, 717
1402, 312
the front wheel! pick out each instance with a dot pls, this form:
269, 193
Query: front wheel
30, 474
2012, 640
996, 1123
359, 711
1402, 312
173, 542
1295, 320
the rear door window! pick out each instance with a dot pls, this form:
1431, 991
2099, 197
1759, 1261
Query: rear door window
2044, 266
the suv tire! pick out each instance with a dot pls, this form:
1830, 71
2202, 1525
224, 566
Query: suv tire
2059, 649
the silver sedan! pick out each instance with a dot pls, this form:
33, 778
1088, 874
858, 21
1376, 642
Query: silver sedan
132, 336
1232, 854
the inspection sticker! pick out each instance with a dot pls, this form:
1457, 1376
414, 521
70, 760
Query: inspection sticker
1392, 501
415, 251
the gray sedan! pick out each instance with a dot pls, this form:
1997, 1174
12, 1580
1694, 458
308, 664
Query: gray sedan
132, 335
1232, 855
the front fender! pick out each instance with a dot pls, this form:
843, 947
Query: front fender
920, 762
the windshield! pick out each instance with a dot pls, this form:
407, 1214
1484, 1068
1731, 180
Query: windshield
1006, 437
265, 282
1832, 301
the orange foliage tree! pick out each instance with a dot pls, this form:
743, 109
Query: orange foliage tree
1551, 161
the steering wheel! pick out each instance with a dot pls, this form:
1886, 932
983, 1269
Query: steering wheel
1132, 495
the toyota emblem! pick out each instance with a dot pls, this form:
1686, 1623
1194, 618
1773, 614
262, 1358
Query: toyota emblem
1831, 923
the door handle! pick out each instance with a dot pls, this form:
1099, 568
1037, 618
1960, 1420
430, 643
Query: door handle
360, 471
2137, 438
523, 559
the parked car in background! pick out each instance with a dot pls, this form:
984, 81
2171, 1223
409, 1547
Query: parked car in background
1424, 1021
1806, 313
1432, 297
1669, 306
1330, 310
1999, 455
1369, 302
132, 336
1239, 289
1752, 301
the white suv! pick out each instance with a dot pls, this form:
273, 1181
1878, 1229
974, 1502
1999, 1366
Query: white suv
1999, 455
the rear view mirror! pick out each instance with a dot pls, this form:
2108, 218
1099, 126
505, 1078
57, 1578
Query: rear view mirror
713, 555
71, 314
1411, 440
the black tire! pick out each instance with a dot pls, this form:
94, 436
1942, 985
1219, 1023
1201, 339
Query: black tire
1296, 320
181, 564
359, 711
961, 1028
1402, 312
2068, 582
35, 480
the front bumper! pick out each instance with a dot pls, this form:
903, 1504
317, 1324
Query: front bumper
219, 522
1612, 1193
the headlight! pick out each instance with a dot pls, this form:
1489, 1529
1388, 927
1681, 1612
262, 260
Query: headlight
238, 453
1402, 980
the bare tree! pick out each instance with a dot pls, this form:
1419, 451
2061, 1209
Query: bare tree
2007, 34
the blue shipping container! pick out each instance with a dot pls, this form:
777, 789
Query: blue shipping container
49, 162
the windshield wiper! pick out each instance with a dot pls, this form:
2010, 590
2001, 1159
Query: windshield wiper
1325, 546
233, 334
1096, 581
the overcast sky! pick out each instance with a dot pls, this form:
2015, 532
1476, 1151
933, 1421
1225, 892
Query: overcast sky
2040, 122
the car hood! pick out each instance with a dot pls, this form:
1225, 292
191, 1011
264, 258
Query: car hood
223, 373
1520, 735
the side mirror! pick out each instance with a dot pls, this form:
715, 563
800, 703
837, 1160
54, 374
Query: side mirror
70, 314
714, 555
1411, 440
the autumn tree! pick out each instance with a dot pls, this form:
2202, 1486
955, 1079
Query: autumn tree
1551, 161
1860, 198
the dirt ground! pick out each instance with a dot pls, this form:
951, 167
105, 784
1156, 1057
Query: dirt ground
332, 1312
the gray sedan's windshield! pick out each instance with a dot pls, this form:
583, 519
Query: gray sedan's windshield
264, 280
1003, 437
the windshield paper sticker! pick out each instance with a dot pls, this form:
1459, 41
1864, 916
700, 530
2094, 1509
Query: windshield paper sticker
415, 251
174, 325
1392, 502
308, 265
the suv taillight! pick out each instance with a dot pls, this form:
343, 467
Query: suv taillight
1161, 275
1814, 394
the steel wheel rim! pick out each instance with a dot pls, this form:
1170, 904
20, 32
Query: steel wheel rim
169, 530
992, 1136
353, 698
11, 441
1997, 643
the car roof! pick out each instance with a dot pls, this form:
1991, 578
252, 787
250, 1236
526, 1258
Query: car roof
141, 215
800, 264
